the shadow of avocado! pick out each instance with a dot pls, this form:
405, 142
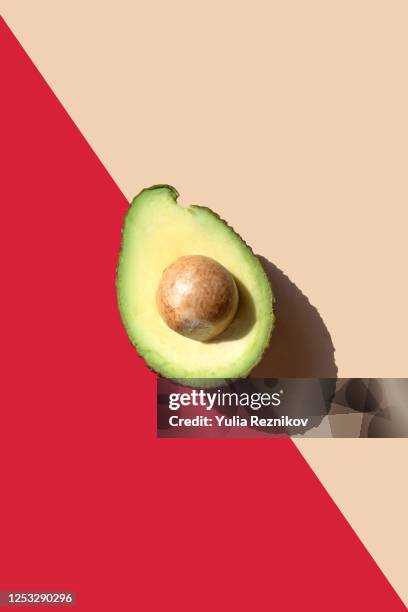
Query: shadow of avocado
301, 345
244, 319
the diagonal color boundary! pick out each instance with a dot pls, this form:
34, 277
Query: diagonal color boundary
95, 503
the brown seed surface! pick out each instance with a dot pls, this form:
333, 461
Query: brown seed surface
197, 297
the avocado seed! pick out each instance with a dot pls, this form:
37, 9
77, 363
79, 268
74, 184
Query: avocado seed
197, 297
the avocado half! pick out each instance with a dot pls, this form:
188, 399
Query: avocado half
156, 232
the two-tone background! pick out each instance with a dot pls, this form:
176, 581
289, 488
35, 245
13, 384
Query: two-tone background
290, 120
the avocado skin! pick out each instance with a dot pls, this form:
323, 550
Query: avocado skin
154, 365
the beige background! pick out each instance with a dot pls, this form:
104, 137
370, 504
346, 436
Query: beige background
290, 119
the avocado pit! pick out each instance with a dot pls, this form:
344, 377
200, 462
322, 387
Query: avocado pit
197, 297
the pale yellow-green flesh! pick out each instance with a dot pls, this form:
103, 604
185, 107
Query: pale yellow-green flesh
156, 232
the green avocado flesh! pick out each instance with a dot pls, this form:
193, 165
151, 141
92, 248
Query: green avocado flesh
156, 232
